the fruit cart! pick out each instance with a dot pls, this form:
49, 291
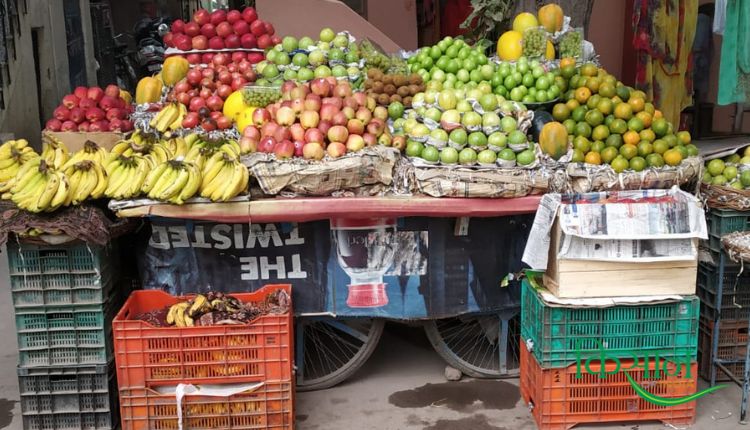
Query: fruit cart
353, 264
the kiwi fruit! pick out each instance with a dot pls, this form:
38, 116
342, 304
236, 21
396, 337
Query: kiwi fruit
415, 79
399, 80
371, 73
389, 89
377, 74
383, 99
377, 87
413, 89
395, 98
368, 84
407, 101
403, 91
387, 79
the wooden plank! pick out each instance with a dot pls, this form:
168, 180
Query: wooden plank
653, 281
568, 266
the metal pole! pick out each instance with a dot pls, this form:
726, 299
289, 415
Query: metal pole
717, 318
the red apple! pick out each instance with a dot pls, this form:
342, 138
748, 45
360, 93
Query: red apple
248, 41
268, 129
376, 127
221, 59
102, 125
169, 40
53, 124
71, 100
284, 149
192, 29
320, 87
95, 94
207, 58
84, 126
178, 26
339, 119
208, 30
327, 112
355, 126
196, 104
238, 58
324, 126
314, 135
336, 149
342, 89
127, 125
224, 29
364, 115
191, 120
297, 131
232, 41
257, 28
108, 102
380, 113
354, 143
335, 101
360, 98
116, 114
298, 105
282, 133
249, 15
312, 102
251, 132
193, 58
112, 91
309, 119
275, 39
216, 43
351, 102
234, 16
348, 112
264, 41
298, 145
241, 28
313, 151
201, 16
218, 16
68, 126
77, 115
81, 92
267, 144
94, 114
370, 139
261, 116
338, 133
183, 42
299, 92
248, 144
86, 103
269, 28
115, 124
200, 42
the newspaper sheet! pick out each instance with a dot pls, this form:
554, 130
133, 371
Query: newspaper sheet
640, 251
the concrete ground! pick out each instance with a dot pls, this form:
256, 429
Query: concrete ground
401, 387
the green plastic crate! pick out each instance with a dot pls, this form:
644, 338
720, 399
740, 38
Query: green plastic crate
60, 275
721, 222
667, 329
55, 395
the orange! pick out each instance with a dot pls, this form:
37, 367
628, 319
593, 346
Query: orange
649, 107
623, 111
660, 146
560, 112
600, 132
658, 114
614, 140
628, 151
683, 137
647, 135
607, 90
582, 144
645, 148
605, 106
673, 157
645, 117
583, 94
660, 126
619, 164
631, 137
618, 126
593, 84
594, 118
593, 101
567, 61
638, 93
637, 103
609, 153
635, 124
572, 104
593, 158
598, 146
589, 69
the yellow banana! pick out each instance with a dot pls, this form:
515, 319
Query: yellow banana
50, 189
164, 181
181, 112
62, 192
101, 181
193, 183
175, 187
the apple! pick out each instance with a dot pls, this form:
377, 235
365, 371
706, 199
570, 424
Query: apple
218, 16
108, 102
192, 29
255, 57
112, 91
355, 126
201, 16
354, 143
86, 103
270, 30
363, 114
127, 125
84, 126
68, 126
297, 132
299, 92
70, 101
380, 112
339, 119
178, 26
200, 42
224, 29
320, 87
268, 129
328, 111
338, 133
234, 16
257, 28
77, 115
53, 124
264, 41
335, 101
312, 102
81, 92
207, 57
385, 139
360, 98
220, 59
309, 119
99, 126
336, 149
191, 120
371, 103
342, 89
370, 139
248, 41
314, 135
249, 15
351, 102
216, 43
313, 151
208, 30
284, 149
94, 114
114, 114
241, 28
196, 104
324, 126
61, 113
267, 144
282, 133
95, 94
248, 144
169, 40
251, 132
193, 58
348, 112
376, 127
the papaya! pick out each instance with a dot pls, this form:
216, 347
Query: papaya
541, 117
554, 140
148, 90
551, 17
174, 69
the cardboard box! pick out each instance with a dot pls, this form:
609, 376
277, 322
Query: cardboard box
632, 243
75, 140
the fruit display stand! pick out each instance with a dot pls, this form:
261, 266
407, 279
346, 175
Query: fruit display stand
493, 235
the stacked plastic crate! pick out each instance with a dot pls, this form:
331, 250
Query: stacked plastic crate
608, 339
65, 298
243, 372
735, 298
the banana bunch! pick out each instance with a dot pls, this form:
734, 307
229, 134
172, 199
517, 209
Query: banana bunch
87, 179
90, 152
173, 181
202, 150
13, 155
157, 151
126, 176
169, 117
39, 188
54, 151
224, 177
177, 146
184, 314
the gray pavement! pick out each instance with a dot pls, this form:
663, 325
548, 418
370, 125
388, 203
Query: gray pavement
401, 387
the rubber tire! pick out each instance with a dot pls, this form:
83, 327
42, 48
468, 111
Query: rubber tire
343, 373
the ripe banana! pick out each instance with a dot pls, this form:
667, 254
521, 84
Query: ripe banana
126, 176
40, 189
224, 179
168, 118
87, 179
54, 151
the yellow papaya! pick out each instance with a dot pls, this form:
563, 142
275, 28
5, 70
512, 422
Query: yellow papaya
174, 69
148, 90
551, 17
554, 139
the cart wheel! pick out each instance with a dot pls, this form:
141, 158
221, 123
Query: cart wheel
329, 350
480, 346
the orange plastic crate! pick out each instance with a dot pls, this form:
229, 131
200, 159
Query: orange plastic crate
560, 400
270, 407
148, 356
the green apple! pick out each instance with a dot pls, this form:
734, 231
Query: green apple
327, 35
289, 44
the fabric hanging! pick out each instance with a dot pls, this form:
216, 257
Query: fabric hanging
734, 72
720, 16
